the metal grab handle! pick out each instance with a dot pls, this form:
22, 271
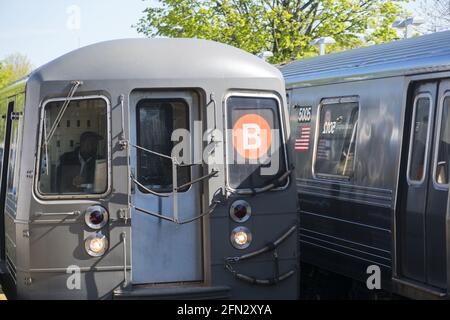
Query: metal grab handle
166, 195
266, 188
151, 151
268, 247
212, 174
49, 214
173, 159
264, 282
271, 246
122, 112
123, 237
160, 216
175, 189
163, 195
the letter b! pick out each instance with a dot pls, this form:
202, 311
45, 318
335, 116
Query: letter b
252, 132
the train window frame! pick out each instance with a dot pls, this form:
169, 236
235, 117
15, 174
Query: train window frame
12, 182
69, 197
410, 181
263, 95
327, 101
138, 128
436, 185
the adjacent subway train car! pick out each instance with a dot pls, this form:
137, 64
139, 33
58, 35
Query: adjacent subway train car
371, 134
148, 168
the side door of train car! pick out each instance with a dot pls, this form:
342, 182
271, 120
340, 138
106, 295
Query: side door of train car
11, 142
163, 251
424, 187
7, 108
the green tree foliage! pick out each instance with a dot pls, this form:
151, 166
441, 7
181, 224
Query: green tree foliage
4, 76
14, 67
285, 27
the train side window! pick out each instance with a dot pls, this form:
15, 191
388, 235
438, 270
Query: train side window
443, 152
336, 143
75, 161
419, 140
157, 119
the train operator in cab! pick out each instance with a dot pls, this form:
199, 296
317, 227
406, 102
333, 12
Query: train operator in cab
76, 170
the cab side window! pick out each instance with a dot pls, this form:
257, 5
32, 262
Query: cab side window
74, 158
336, 142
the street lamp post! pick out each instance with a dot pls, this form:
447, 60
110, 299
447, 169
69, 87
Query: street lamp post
265, 55
408, 24
322, 43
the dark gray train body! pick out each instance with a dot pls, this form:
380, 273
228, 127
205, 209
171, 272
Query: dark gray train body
370, 134
124, 93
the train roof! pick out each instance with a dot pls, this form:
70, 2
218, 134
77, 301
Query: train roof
160, 58
428, 53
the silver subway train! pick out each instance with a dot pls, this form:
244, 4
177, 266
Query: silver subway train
371, 133
148, 168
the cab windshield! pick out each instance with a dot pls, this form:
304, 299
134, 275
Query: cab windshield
74, 161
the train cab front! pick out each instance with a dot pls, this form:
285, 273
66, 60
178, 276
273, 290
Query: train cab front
150, 178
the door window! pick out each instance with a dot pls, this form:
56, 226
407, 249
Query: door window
157, 119
419, 139
441, 174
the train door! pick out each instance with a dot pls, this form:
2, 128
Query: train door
5, 132
422, 217
164, 251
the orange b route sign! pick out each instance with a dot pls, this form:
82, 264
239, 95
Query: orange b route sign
252, 136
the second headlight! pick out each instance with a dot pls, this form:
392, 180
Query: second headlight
96, 245
241, 238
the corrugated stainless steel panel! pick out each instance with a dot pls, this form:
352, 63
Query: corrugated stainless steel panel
398, 57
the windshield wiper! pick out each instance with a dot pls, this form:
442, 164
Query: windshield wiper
51, 132
48, 136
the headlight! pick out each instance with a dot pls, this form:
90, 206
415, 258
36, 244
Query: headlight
96, 245
96, 217
240, 211
241, 238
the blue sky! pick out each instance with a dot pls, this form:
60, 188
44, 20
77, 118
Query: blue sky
46, 29
39, 28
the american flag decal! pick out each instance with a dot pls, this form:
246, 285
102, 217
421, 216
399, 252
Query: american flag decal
302, 144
